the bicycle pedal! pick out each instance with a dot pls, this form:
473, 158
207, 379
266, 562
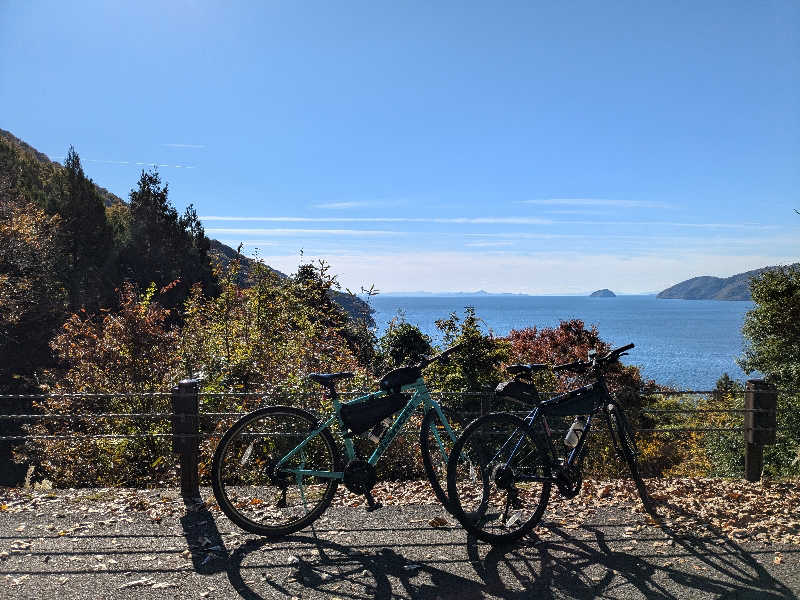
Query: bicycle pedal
371, 504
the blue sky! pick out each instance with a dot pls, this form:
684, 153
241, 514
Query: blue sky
519, 147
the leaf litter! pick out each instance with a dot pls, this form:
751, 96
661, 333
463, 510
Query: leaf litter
767, 511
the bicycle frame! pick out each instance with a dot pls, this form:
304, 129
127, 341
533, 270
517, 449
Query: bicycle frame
538, 416
420, 396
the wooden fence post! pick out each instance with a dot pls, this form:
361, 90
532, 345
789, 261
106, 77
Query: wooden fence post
760, 401
186, 434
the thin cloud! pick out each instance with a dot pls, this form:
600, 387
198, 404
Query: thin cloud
674, 224
342, 205
194, 146
443, 220
576, 211
129, 162
545, 273
597, 202
489, 244
233, 243
293, 232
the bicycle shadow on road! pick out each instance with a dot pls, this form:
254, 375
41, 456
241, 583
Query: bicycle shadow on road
658, 562
330, 568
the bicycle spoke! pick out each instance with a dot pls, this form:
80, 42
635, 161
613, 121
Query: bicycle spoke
500, 449
265, 471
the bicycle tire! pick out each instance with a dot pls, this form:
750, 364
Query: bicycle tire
626, 444
502, 449
435, 464
244, 477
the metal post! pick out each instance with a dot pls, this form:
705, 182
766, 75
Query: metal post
487, 393
186, 438
760, 401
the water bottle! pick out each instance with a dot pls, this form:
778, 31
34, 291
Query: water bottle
575, 431
380, 428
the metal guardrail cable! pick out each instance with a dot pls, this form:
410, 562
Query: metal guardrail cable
317, 393
707, 410
206, 435
99, 436
82, 395
165, 415
53, 416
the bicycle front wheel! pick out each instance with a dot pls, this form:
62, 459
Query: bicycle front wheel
264, 487
647, 484
498, 479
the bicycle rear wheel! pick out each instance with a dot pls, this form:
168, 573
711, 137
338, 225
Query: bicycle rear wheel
498, 479
648, 484
261, 492
436, 443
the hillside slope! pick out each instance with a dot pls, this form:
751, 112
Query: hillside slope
707, 287
33, 173
355, 307
46, 165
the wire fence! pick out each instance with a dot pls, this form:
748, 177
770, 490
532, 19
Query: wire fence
161, 422
487, 401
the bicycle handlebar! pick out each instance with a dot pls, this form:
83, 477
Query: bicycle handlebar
616, 353
580, 366
441, 356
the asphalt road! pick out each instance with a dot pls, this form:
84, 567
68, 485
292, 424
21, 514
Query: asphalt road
391, 553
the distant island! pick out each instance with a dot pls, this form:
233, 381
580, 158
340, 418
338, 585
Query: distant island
736, 287
604, 293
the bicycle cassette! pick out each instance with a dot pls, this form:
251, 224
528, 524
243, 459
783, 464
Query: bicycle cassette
569, 480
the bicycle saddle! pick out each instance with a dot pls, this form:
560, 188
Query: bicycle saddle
525, 392
394, 380
329, 378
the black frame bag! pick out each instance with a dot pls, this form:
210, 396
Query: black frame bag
362, 415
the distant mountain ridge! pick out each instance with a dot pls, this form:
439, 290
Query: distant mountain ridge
449, 294
707, 287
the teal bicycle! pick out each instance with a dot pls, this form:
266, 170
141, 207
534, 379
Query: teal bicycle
276, 470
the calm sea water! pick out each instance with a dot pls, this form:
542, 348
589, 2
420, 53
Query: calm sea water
685, 343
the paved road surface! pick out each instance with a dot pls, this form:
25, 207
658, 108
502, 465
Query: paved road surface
391, 553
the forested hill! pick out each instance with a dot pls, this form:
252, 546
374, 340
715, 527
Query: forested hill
47, 167
736, 287
355, 307
26, 172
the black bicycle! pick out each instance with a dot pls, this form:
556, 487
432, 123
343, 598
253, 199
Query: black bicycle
502, 467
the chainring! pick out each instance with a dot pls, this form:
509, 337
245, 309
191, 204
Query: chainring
359, 476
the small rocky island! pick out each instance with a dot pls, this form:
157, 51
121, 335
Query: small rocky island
604, 293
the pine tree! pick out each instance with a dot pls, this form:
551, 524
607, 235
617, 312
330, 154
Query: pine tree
162, 247
87, 237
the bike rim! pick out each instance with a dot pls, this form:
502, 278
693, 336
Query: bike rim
262, 488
